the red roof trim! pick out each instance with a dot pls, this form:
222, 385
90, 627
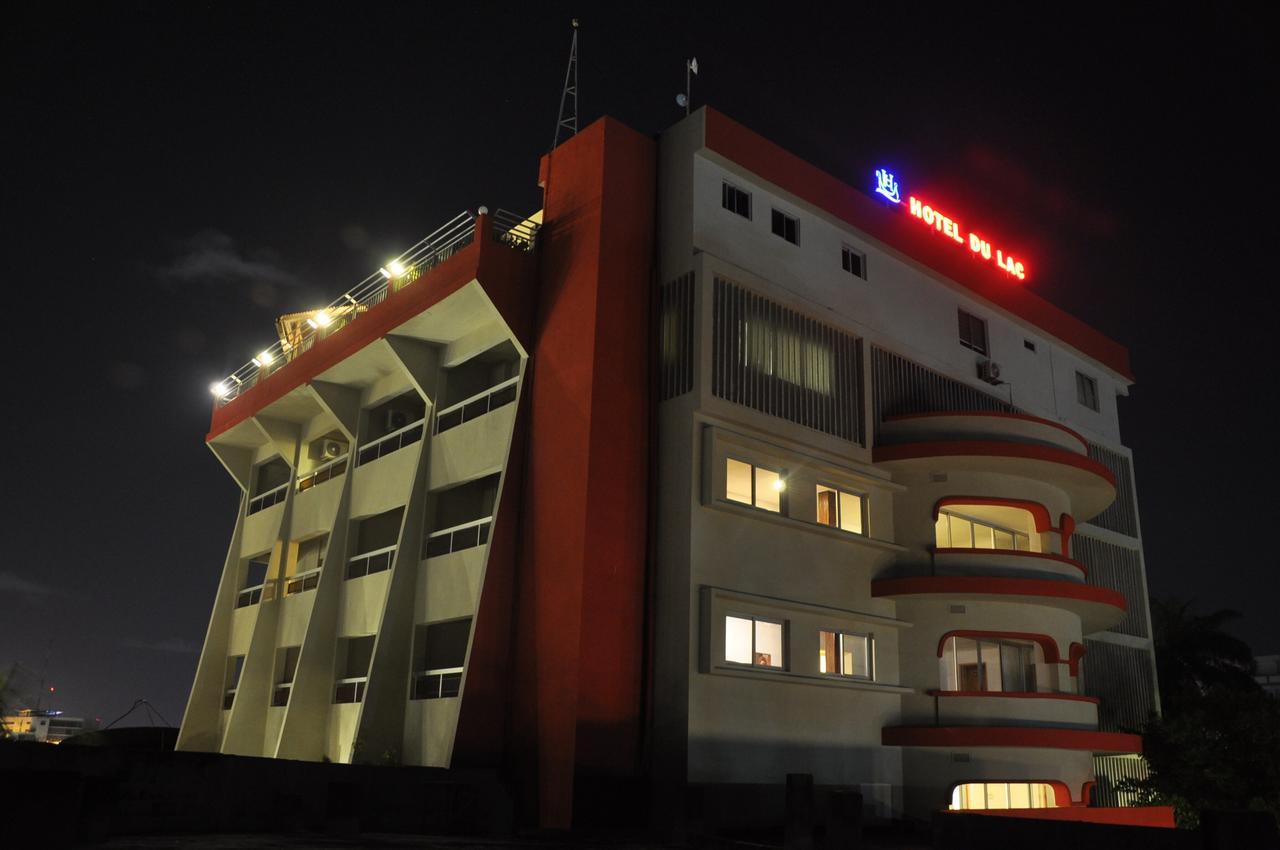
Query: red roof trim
778, 166
997, 586
991, 448
998, 414
1010, 736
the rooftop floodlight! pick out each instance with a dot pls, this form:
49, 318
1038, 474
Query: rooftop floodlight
219, 389
263, 359
396, 267
385, 273
319, 320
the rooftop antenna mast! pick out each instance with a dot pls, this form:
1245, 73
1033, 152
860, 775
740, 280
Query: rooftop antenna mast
569, 120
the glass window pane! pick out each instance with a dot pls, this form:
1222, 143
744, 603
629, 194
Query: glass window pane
1042, 796
948, 663
961, 533
1013, 667
1004, 540
997, 795
828, 509
942, 532
853, 656
737, 640
851, 512
737, 481
768, 652
968, 671
1019, 795
768, 490
827, 652
990, 666
983, 537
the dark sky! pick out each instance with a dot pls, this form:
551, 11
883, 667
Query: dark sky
176, 175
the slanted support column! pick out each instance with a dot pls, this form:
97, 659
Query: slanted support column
421, 362
342, 403
236, 460
284, 437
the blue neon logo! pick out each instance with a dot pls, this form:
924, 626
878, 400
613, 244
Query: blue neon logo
887, 185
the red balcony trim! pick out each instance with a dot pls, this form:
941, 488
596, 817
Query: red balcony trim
991, 448
1015, 695
961, 585
1074, 653
1149, 816
1049, 556
998, 414
1010, 736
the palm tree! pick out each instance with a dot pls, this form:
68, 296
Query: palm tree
1194, 655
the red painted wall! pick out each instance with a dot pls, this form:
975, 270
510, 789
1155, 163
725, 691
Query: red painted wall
582, 562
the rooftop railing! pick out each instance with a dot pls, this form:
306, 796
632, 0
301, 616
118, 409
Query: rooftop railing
459, 232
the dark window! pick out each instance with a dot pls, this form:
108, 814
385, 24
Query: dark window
854, 262
786, 227
973, 332
735, 200
439, 651
1028, 345
1086, 391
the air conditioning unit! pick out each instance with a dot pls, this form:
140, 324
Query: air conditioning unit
330, 449
989, 371
396, 419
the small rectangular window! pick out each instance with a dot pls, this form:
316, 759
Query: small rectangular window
735, 200
753, 485
853, 261
753, 640
841, 509
786, 227
973, 332
1028, 345
843, 654
1086, 391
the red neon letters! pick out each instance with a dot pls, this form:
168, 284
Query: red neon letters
950, 228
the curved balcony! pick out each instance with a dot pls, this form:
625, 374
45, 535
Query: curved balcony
1007, 562
1032, 737
1097, 608
981, 425
997, 708
1089, 485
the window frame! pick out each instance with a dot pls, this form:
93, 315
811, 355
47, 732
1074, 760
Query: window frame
985, 523
840, 635
755, 501
1087, 385
786, 219
999, 643
966, 321
863, 507
782, 624
725, 189
847, 251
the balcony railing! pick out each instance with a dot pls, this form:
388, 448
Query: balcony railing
324, 472
274, 496
302, 582
403, 271
459, 537
477, 405
435, 684
371, 562
280, 694
393, 442
250, 596
350, 690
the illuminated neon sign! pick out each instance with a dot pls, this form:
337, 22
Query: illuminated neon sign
949, 227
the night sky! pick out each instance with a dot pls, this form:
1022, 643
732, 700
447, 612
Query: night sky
177, 175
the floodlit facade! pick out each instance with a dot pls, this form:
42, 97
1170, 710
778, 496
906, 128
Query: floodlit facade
716, 470
45, 725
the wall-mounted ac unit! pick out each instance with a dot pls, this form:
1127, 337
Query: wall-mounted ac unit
330, 449
396, 419
989, 371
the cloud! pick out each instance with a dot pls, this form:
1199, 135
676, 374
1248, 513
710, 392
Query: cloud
212, 256
177, 646
14, 584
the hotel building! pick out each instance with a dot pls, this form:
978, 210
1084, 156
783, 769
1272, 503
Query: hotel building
714, 470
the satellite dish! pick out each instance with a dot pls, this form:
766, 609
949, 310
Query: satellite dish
681, 100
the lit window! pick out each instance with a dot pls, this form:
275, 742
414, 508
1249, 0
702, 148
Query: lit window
786, 227
1086, 391
1003, 795
853, 261
973, 332
753, 641
753, 485
735, 200
973, 664
841, 509
841, 654
954, 531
